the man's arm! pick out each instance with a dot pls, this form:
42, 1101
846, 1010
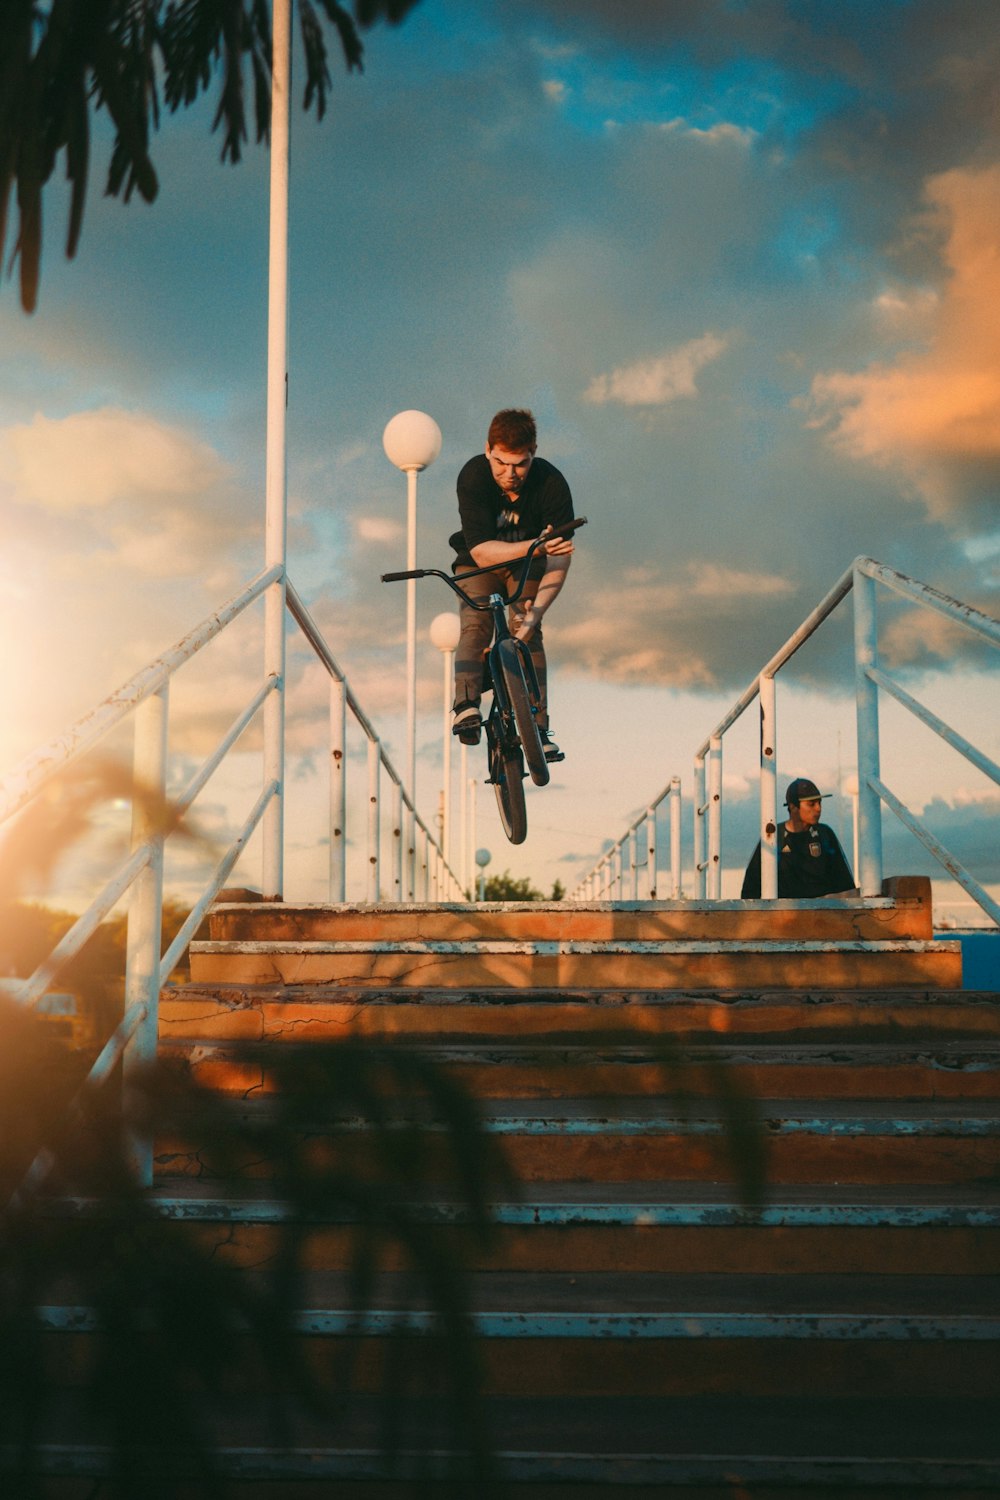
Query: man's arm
840, 876
751, 878
552, 580
498, 554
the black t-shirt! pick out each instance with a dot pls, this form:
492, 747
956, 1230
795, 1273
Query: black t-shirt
489, 515
810, 863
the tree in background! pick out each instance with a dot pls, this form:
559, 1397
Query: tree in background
59, 60
505, 888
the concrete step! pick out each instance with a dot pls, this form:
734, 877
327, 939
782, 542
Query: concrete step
649, 1334
899, 916
713, 1446
639, 1226
935, 1069
644, 1139
549, 1016
557, 964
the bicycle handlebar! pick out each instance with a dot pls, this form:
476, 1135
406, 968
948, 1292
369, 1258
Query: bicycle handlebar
563, 530
399, 577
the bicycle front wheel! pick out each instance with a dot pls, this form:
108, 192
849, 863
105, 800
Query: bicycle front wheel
520, 701
507, 775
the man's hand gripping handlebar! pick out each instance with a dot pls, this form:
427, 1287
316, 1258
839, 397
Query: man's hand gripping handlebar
548, 535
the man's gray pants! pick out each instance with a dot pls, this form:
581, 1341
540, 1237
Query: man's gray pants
477, 632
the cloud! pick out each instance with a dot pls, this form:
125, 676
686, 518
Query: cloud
919, 637
135, 494
121, 533
668, 632
657, 382
722, 133
378, 528
935, 414
90, 459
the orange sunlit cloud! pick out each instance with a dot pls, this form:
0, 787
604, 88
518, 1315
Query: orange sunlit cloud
936, 413
120, 532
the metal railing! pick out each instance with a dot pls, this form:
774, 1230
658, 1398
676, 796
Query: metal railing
618, 874
607, 877
419, 871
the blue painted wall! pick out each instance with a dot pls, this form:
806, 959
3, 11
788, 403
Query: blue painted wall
980, 957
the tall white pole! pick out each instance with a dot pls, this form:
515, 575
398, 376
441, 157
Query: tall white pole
275, 462
449, 657
409, 831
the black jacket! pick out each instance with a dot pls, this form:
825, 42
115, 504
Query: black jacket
810, 863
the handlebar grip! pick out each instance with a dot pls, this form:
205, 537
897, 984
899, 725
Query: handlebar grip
399, 577
567, 527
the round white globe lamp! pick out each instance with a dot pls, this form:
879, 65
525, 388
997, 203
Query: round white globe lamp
412, 440
483, 857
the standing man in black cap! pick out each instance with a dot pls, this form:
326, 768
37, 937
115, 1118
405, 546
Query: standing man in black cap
810, 859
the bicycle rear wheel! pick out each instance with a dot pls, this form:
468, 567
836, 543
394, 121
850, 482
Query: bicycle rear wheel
520, 702
507, 775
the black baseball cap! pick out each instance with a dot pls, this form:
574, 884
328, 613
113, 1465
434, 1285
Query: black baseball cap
803, 790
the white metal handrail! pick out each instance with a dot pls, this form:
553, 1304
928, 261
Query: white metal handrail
869, 677
140, 874
606, 881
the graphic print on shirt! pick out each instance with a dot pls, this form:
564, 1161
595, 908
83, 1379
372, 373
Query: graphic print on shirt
509, 525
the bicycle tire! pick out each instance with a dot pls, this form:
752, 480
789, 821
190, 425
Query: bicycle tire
507, 775
520, 701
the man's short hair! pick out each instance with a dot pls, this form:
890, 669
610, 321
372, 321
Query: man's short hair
513, 429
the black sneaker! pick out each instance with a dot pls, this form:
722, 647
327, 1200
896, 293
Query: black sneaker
468, 724
552, 751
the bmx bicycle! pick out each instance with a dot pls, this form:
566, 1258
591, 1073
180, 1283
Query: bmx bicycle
512, 733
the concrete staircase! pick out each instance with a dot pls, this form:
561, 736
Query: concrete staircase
643, 1326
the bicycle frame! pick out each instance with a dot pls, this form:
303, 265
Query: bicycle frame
511, 726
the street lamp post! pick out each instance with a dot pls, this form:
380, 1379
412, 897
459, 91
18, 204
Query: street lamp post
445, 631
412, 441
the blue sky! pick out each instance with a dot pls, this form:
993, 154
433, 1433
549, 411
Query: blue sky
741, 260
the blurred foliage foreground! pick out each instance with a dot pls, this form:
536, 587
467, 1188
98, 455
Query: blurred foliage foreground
165, 1346
173, 1339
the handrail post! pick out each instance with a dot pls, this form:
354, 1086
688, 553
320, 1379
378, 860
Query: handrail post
651, 872
338, 789
463, 819
397, 841
869, 803
276, 474
715, 818
768, 789
700, 798
675, 838
374, 831
142, 957
425, 863
634, 856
